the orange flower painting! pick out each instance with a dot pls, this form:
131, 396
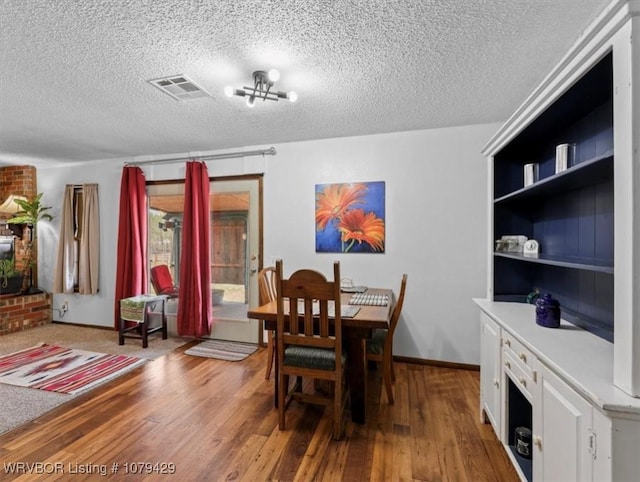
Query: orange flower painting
350, 218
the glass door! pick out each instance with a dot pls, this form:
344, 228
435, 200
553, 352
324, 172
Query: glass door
235, 255
235, 250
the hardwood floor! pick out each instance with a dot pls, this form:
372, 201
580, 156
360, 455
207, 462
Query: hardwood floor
211, 420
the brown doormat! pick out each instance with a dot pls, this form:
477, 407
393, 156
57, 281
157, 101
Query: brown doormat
222, 350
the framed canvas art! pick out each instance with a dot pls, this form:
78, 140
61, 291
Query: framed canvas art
350, 217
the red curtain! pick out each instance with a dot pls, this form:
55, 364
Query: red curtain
131, 268
194, 307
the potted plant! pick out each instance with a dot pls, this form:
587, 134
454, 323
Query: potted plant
30, 213
10, 278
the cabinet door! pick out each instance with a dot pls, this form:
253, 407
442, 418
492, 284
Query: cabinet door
490, 371
600, 447
562, 432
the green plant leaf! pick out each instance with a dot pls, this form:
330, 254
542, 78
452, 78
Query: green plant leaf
31, 211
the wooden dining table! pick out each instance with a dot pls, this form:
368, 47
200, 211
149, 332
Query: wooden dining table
355, 331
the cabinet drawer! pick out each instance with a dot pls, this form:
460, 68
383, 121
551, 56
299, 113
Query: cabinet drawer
518, 351
519, 373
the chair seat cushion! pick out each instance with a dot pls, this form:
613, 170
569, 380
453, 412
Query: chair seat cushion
375, 344
310, 357
171, 291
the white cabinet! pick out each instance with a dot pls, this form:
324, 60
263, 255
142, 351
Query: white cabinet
557, 382
578, 386
519, 365
585, 218
490, 372
564, 438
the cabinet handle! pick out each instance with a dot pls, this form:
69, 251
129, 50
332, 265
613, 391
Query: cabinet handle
523, 357
537, 441
507, 342
592, 443
496, 382
507, 364
522, 381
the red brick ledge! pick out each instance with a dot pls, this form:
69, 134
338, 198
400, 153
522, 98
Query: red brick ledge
19, 313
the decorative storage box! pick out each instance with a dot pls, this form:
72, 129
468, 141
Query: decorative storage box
133, 309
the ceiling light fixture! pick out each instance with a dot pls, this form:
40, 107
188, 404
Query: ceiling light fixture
262, 88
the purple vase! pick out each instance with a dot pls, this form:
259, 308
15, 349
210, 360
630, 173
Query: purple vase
547, 311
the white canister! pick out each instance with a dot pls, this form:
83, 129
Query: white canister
530, 173
562, 157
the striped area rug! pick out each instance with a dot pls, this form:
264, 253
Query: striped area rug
222, 350
65, 370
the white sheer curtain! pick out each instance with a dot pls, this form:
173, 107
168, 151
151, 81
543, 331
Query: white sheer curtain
79, 245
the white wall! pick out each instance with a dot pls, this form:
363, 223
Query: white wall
83, 309
436, 226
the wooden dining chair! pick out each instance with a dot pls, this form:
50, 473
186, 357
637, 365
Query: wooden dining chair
380, 345
266, 294
310, 345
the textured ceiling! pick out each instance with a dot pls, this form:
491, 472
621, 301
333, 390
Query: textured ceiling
73, 74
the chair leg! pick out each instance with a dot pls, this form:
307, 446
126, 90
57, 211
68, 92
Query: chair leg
337, 411
282, 390
386, 374
393, 371
270, 355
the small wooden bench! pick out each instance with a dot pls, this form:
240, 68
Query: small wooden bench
138, 310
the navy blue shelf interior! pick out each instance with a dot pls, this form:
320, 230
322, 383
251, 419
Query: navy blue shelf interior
519, 414
526, 465
588, 264
578, 176
571, 213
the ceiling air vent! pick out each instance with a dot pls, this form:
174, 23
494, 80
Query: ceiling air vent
180, 87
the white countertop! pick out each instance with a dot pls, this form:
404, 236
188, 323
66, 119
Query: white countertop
582, 359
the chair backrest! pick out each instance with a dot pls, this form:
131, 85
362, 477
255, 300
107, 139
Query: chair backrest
162, 280
267, 285
395, 316
309, 296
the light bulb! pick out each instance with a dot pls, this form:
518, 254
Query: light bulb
228, 91
292, 96
251, 101
274, 75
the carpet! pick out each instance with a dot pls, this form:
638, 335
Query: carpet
64, 370
222, 350
19, 405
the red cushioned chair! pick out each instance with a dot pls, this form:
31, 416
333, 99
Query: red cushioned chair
162, 281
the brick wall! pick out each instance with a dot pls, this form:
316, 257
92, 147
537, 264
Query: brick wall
18, 313
19, 180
